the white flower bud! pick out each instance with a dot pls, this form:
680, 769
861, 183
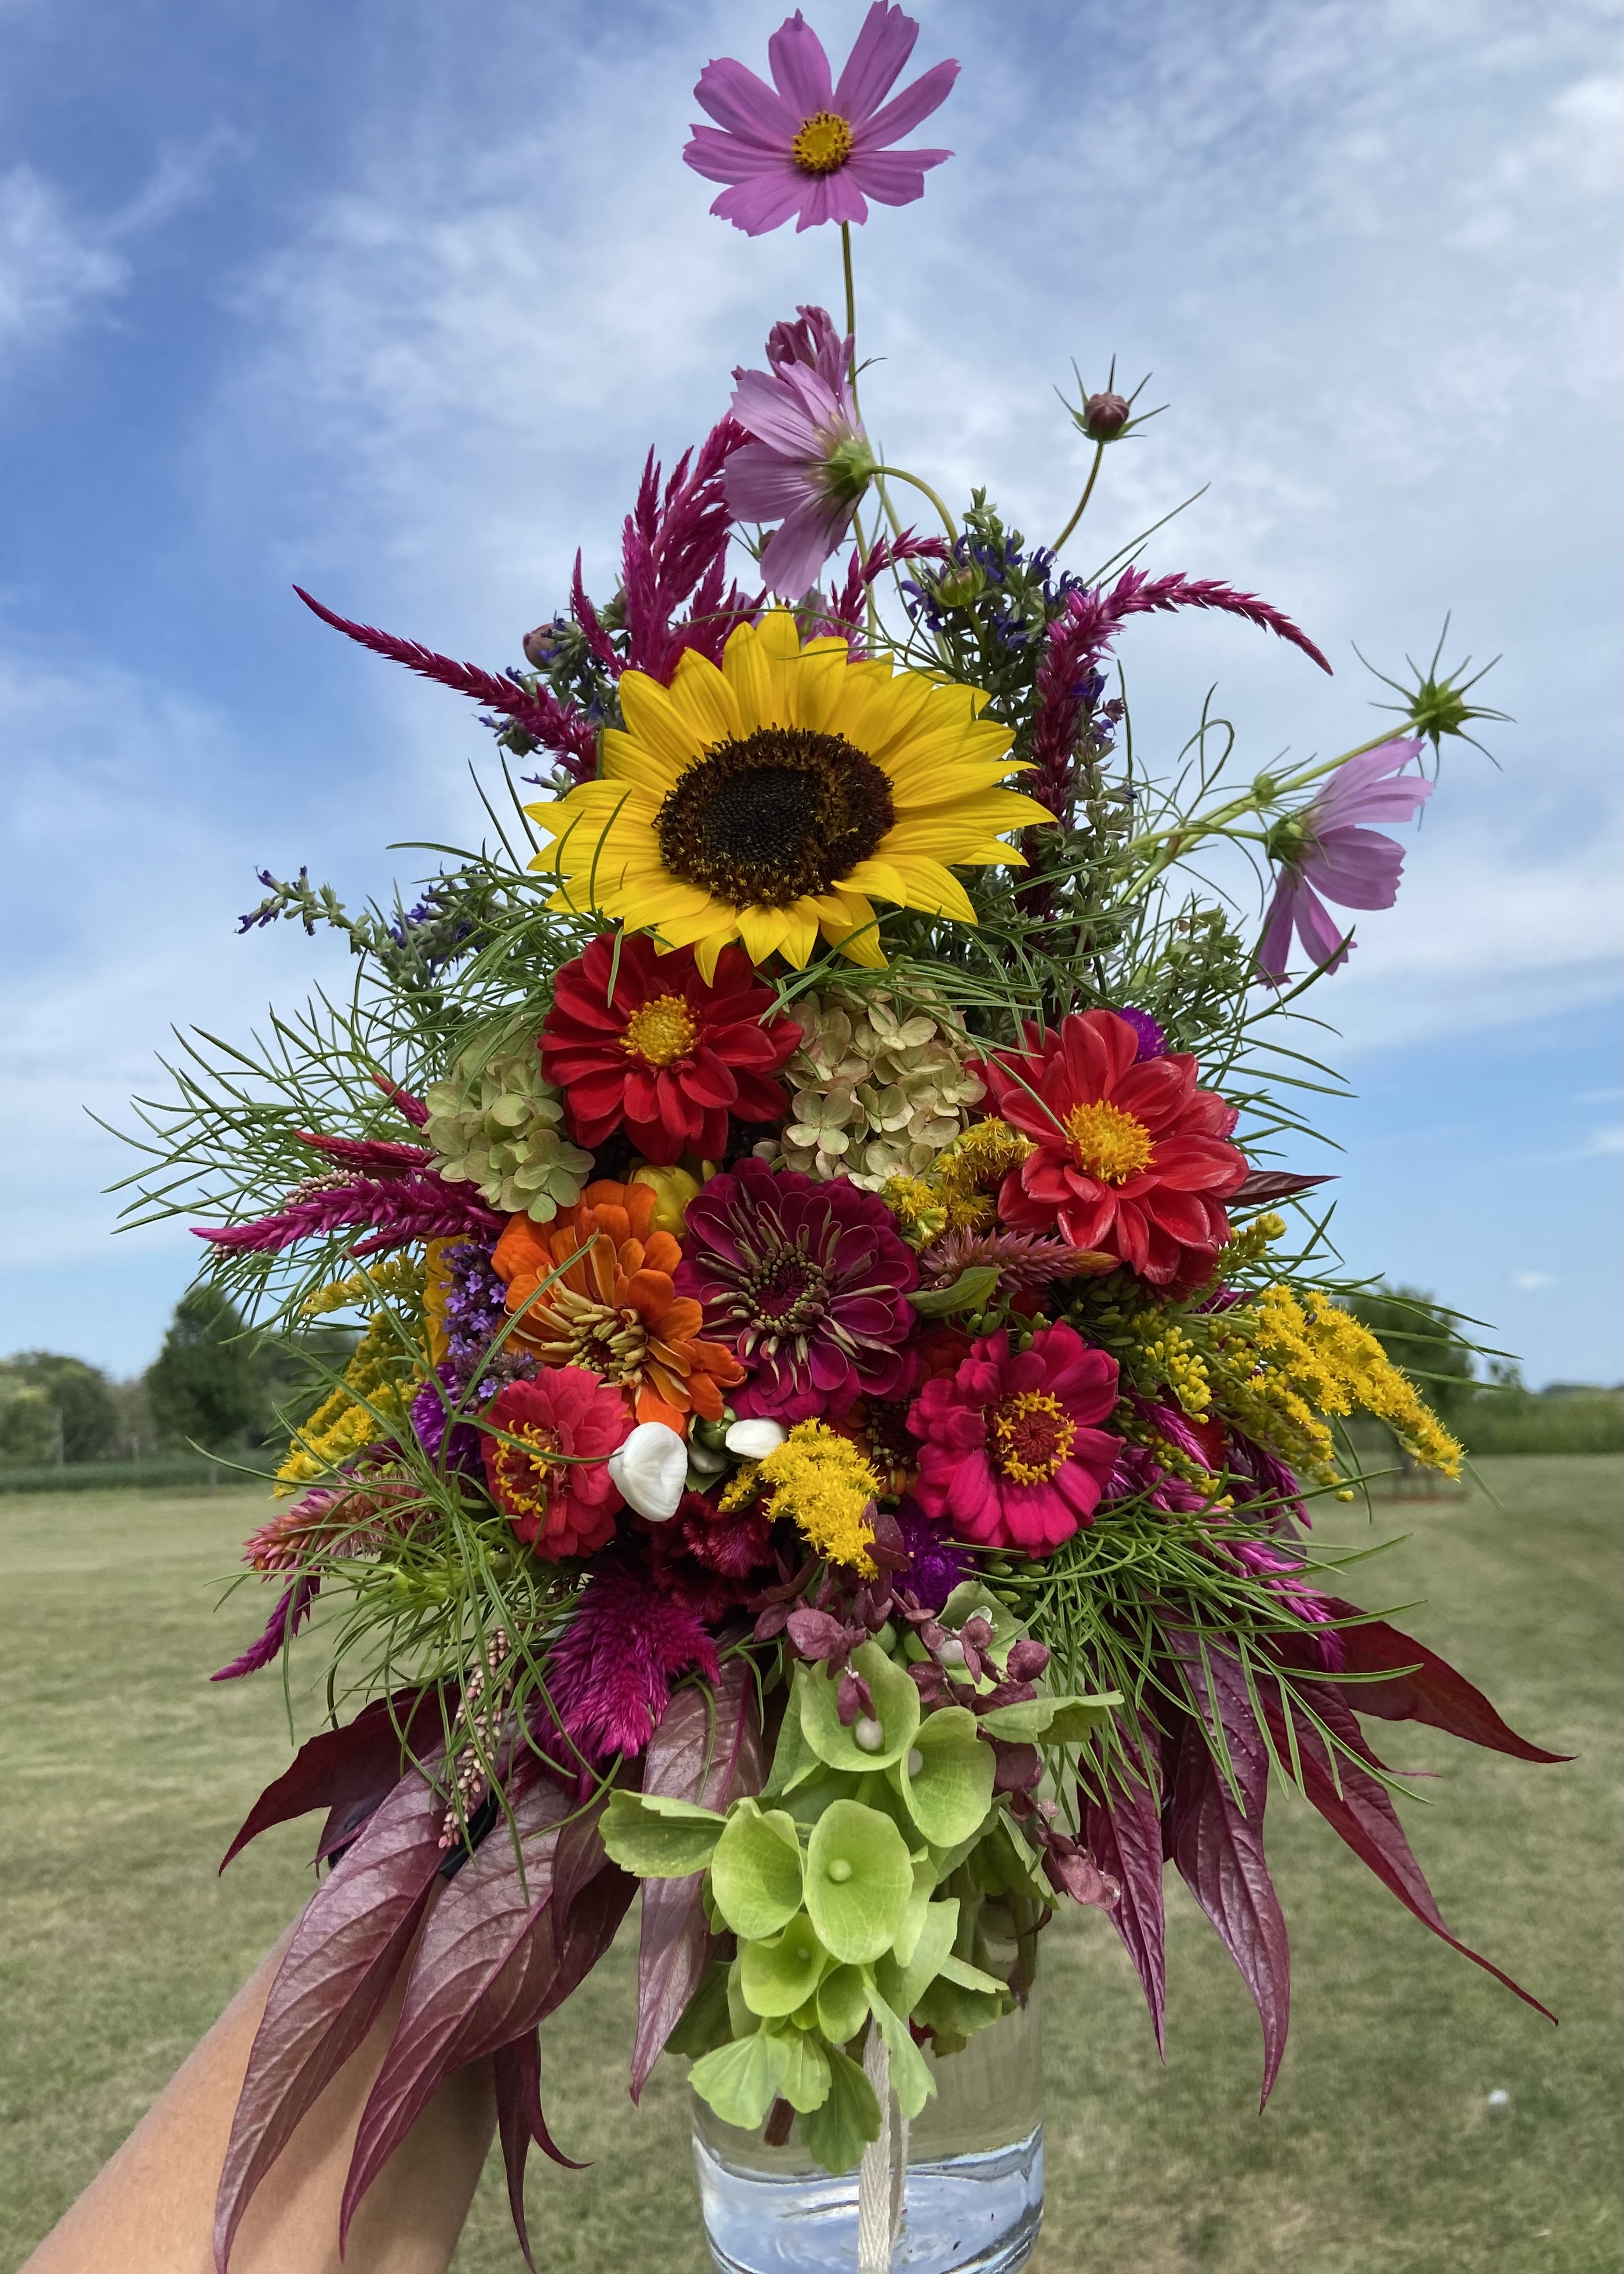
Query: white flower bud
753, 1440
650, 1469
868, 1733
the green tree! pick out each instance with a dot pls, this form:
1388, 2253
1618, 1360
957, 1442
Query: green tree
81, 1399
204, 1386
27, 1423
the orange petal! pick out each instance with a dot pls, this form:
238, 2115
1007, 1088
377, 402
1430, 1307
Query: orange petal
663, 1252
650, 1294
519, 1249
682, 1320
651, 1407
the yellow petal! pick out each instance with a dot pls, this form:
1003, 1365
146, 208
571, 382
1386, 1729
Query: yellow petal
877, 877
761, 929
653, 720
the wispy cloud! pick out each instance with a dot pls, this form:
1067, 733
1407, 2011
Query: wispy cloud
53, 268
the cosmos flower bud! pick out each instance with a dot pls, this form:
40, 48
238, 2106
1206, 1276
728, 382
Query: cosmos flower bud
753, 1440
650, 1469
956, 587
1104, 417
540, 644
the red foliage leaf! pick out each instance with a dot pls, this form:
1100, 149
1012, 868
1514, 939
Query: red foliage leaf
1361, 1813
518, 2119
1219, 1849
1431, 1691
339, 1768
708, 1749
1125, 1837
346, 1950
1263, 1185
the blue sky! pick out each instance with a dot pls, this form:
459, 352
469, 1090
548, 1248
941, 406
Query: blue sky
392, 298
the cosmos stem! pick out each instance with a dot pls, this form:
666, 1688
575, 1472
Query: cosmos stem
1082, 503
899, 474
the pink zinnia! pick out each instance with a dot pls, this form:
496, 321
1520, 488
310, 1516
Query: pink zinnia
807, 147
558, 1507
1009, 1455
810, 462
1325, 854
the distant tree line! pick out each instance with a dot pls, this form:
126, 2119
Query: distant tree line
215, 1386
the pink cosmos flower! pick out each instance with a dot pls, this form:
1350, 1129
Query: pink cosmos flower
809, 461
1010, 1454
807, 147
1326, 853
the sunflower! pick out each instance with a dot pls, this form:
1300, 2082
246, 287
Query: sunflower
768, 800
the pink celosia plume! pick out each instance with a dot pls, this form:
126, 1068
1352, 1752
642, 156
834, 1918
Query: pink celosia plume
627, 1643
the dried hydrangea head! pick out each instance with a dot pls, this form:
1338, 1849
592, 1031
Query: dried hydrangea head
495, 1124
879, 1086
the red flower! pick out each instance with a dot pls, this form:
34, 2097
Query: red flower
1131, 1159
558, 1508
637, 1037
1009, 1456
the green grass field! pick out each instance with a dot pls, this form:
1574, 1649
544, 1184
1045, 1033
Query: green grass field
124, 1775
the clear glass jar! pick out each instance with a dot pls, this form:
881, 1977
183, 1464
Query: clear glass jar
972, 2187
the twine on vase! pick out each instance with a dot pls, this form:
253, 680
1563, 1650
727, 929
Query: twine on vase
880, 2187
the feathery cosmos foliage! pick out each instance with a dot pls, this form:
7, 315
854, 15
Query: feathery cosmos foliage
849, 1349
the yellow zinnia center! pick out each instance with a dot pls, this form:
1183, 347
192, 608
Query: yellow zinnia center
661, 1031
1032, 1437
823, 144
1107, 1143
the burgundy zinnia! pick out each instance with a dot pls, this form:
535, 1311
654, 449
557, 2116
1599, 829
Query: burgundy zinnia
1131, 1157
808, 1282
558, 1508
807, 147
1009, 1455
639, 1038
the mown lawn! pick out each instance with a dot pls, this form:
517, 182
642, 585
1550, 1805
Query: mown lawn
124, 1775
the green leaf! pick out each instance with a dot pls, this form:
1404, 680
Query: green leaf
778, 1975
653, 1845
858, 1881
926, 1881
970, 1598
1050, 1721
896, 1708
842, 2004
756, 1872
705, 2022
807, 2076
902, 1986
946, 1776
970, 1978
740, 2020
740, 2081
790, 1753
837, 2133
954, 2011
910, 2073
968, 1292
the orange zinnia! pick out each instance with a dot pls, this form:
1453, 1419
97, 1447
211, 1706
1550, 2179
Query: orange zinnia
611, 1305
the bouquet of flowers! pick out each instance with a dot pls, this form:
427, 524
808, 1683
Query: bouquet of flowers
846, 1358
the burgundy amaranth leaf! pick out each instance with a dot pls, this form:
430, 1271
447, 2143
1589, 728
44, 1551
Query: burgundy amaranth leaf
338, 1767
1219, 1851
1431, 1690
1125, 1837
556, 726
518, 2119
285, 1621
708, 1749
1263, 1185
487, 1960
346, 1950
1362, 1813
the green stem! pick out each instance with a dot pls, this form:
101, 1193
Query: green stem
850, 311
897, 474
1082, 503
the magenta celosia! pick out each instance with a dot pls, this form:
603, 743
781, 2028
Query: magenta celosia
808, 145
1325, 853
1010, 1451
612, 1674
808, 461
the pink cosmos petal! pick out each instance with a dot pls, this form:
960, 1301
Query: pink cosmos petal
1274, 946
770, 410
879, 53
798, 549
915, 102
724, 158
891, 177
1357, 867
1318, 930
756, 206
745, 105
799, 68
1357, 775
834, 196
1397, 798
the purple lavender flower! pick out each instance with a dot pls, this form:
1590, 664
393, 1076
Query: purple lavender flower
807, 147
475, 1308
1326, 853
1152, 1041
809, 461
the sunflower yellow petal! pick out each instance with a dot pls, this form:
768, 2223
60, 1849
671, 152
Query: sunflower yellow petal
654, 722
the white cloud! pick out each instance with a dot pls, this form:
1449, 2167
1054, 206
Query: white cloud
53, 268
1533, 1283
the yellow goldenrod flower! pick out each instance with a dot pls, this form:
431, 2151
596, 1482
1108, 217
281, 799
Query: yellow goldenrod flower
371, 1400
823, 1484
776, 796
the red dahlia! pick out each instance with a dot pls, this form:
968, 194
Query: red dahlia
1131, 1156
1009, 1455
558, 1507
639, 1038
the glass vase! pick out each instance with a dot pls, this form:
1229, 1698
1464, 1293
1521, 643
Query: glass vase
967, 2175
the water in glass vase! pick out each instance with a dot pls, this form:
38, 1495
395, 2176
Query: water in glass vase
972, 2189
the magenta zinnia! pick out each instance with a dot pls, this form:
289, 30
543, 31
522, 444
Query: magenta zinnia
1326, 853
1010, 1455
806, 145
807, 1283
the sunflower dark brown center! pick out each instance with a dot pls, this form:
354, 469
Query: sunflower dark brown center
781, 813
